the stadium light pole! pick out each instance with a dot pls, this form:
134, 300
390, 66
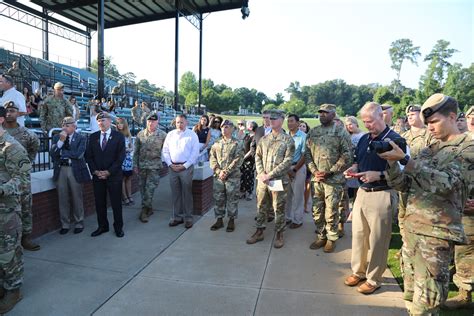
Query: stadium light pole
176, 55
200, 63
100, 45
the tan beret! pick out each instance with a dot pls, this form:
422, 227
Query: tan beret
68, 120
58, 85
470, 111
413, 108
432, 105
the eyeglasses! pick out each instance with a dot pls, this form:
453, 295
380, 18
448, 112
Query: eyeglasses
241, 124
217, 122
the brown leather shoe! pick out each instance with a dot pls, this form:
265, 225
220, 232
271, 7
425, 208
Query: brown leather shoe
188, 225
340, 230
28, 244
353, 280
318, 243
294, 226
366, 288
279, 240
256, 237
218, 224
329, 246
175, 223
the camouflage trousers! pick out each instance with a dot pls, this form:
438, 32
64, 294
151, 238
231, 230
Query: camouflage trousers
226, 195
267, 199
149, 181
402, 208
326, 198
11, 252
425, 268
344, 205
464, 261
26, 201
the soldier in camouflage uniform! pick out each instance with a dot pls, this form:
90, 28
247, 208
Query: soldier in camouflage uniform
140, 113
15, 169
437, 182
147, 162
464, 254
272, 161
417, 138
226, 157
328, 154
54, 109
31, 143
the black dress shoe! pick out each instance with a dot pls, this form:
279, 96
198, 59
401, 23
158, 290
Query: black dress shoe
78, 230
99, 231
63, 231
119, 233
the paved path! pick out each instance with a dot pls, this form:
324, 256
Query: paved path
159, 270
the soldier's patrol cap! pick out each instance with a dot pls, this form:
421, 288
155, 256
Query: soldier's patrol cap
386, 106
58, 85
227, 122
470, 111
102, 115
68, 120
276, 114
461, 115
153, 116
10, 104
413, 108
327, 108
433, 105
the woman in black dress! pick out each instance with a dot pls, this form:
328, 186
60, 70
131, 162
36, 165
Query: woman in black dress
248, 166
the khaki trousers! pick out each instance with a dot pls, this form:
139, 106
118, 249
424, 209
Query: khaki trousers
181, 184
67, 187
295, 197
371, 230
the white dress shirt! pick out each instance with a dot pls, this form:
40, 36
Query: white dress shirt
181, 147
107, 135
19, 99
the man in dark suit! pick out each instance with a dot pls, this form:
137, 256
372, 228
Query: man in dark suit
265, 128
105, 154
70, 171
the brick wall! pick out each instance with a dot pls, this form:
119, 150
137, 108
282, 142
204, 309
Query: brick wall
202, 195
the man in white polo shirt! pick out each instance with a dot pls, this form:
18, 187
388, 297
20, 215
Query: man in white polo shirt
11, 94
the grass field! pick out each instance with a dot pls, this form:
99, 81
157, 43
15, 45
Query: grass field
312, 122
394, 266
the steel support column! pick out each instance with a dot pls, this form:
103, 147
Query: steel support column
88, 50
176, 57
45, 35
100, 55
200, 63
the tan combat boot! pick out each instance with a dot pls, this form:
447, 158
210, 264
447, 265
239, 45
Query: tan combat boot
329, 246
462, 300
149, 211
9, 300
258, 236
218, 224
278, 240
318, 243
28, 244
144, 215
340, 230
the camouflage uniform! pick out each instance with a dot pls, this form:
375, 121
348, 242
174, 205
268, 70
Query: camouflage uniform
147, 158
437, 193
31, 143
14, 172
328, 149
227, 155
139, 115
52, 112
464, 254
416, 142
273, 157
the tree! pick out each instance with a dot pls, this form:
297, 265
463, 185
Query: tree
294, 106
384, 95
438, 57
110, 69
460, 84
428, 82
294, 90
401, 50
188, 83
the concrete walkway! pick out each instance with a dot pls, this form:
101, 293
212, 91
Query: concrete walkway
159, 270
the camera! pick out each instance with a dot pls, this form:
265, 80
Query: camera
382, 146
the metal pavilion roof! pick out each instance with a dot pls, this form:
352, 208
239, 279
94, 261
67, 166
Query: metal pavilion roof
126, 12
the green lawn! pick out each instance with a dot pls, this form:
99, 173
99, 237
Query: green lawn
312, 122
394, 265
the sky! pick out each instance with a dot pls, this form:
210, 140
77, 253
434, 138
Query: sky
282, 41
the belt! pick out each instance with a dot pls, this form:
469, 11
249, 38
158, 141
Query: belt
376, 189
66, 162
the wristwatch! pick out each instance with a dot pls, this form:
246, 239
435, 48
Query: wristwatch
404, 161
382, 175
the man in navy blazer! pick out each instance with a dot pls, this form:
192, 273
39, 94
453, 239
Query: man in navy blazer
105, 154
70, 171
